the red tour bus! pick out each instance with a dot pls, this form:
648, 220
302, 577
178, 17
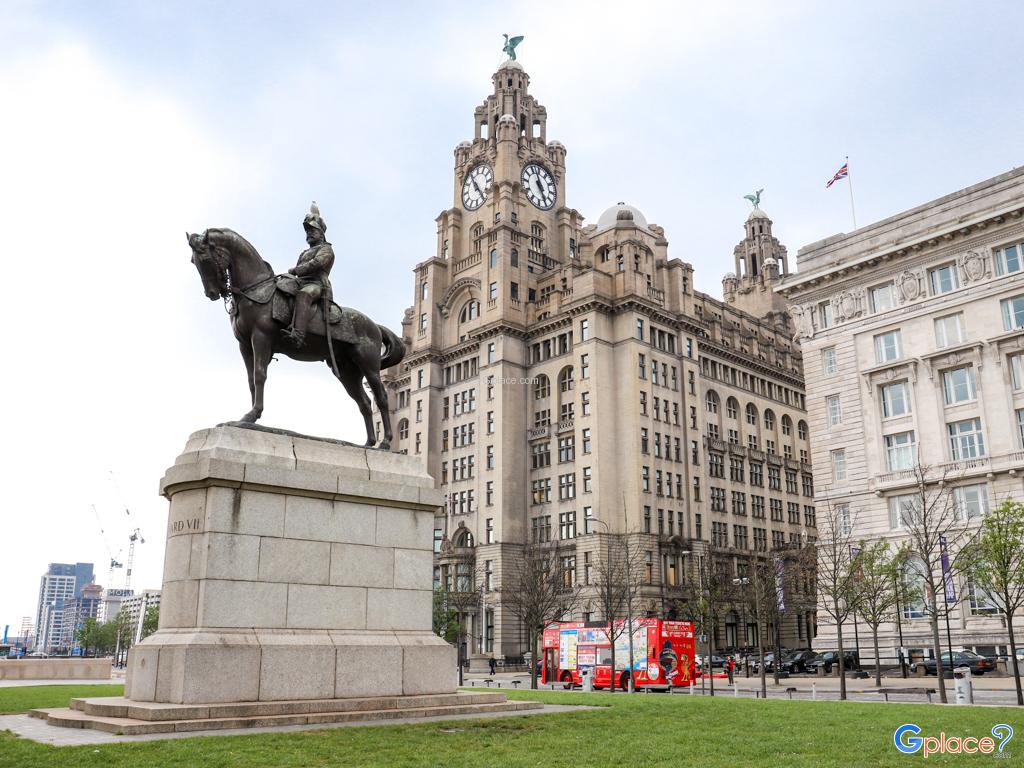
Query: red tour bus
662, 653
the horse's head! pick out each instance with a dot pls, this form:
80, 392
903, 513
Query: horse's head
211, 263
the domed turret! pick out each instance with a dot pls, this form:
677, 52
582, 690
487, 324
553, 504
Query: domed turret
620, 212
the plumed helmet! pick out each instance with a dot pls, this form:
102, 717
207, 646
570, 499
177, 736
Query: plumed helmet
313, 219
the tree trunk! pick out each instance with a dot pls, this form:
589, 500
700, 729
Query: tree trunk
841, 660
778, 652
760, 653
611, 639
1013, 656
709, 661
534, 643
933, 619
878, 661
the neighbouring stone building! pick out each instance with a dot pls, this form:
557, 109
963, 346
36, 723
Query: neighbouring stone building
566, 381
913, 338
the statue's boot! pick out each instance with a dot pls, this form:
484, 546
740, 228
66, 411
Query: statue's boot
300, 318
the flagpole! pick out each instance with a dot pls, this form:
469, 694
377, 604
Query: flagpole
849, 183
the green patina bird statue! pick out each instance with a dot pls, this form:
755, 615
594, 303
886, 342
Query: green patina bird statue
510, 45
755, 199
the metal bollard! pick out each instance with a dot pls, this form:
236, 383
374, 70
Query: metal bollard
692, 687
814, 692
735, 691
963, 686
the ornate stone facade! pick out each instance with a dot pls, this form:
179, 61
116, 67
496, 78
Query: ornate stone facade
935, 295
559, 382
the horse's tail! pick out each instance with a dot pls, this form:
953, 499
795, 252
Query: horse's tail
394, 348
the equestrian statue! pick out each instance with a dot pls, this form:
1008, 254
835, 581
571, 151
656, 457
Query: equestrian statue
294, 315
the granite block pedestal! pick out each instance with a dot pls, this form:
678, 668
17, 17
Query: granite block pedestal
296, 568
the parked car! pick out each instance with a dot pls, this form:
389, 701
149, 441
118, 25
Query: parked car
797, 661
830, 659
769, 663
716, 661
978, 664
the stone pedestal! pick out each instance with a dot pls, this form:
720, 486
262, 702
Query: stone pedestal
295, 568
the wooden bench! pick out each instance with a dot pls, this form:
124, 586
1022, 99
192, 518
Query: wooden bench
913, 691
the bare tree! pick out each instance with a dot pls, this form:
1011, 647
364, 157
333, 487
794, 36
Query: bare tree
463, 596
706, 593
997, 566
787, 589
876, 572
938, 543
835, 573
538, 589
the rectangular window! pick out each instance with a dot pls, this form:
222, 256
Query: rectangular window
835, 412
642, 366
944, 279
902, 509
839, 465
949, 330
971, 501
490, 352
828, 361
1020, 426
492, 291
584, 330
958, 385
900, 451
588, 479
880, 298
585, 403
640, 329
1017, 371
965, 439
895, 399
887, 346
1013, 312
1008, 259
825, 314
514, 291
423, 321
584, 366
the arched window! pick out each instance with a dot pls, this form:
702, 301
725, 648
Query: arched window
787, 425
732, 408
711, 401
541, 387
751, 415
565, 382
769, 419
463, 539
801, 429
470, 311
403, 429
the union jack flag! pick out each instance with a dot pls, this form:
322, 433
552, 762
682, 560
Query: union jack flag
842, 173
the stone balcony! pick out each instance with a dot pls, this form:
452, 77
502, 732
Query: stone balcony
566, 425
538, 432
465, 263
985, 466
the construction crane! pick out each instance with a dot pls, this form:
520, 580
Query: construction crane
114, 562
136, 535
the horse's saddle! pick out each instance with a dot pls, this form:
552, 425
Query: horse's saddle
281, 294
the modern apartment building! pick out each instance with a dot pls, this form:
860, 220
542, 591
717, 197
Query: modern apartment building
912, 331
60, 583
566, 381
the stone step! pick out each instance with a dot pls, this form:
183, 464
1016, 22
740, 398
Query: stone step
73, 718
120, 707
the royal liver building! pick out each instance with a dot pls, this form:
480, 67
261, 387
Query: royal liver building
565, 380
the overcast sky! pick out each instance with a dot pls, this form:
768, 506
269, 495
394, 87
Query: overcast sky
126, 124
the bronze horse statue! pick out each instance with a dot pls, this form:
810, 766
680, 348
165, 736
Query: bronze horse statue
232, 269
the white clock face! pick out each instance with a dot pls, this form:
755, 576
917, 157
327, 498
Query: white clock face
475, 187
539, 186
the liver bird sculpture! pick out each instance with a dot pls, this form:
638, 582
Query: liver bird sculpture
510, 45
755, 198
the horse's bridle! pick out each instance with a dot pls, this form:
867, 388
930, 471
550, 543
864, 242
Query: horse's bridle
213, 252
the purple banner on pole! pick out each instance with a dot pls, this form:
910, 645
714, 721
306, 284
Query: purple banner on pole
947, 574
780, 595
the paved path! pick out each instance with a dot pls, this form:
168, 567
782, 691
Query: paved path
39, 730
987, 689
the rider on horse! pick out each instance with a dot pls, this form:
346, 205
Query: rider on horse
312, 274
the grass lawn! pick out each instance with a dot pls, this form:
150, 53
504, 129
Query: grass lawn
22, 699
647, 730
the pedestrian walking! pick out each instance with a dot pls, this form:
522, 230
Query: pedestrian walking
492, 664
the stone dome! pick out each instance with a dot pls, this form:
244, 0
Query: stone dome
507, 119
729, 276
553, 144
510, 64
464, 145
757, 213
770, 262
621, 212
